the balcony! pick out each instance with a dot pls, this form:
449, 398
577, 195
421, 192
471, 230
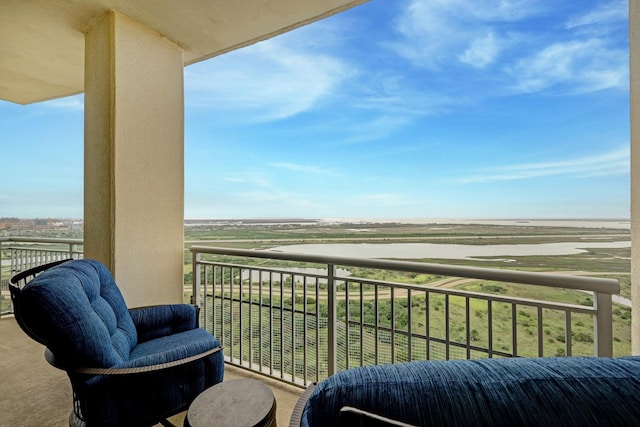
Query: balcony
297, 318
335, 320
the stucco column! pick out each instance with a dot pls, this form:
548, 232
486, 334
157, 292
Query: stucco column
634, 65
134, 158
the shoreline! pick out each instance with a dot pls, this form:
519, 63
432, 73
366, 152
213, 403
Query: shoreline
611, 223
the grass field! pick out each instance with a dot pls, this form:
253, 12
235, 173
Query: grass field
612, 263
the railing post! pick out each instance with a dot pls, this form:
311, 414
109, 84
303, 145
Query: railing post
603, 324
195, 279
73, 251
331, 319
14, 261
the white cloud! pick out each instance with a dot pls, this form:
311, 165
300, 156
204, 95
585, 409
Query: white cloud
482, 51
375, 128
581, 66
270, 80
496, 37
436, 32
612, 163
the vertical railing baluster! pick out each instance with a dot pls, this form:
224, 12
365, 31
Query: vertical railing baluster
568, 334
293, 326
490, 327
514, 330
317, 330
223, 324
393, 325
332, 323
271, 323
347, 345
282, 279
208, 270
361, 324
260, 341
231, 313
447, 325
409, 330
195, 279
304, 329
376, 314
250, 308
427, 324
540, 334
467, 315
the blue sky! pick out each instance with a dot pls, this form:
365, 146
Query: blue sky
394, 109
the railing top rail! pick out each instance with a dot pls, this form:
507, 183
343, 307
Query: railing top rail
595, 284
41, 240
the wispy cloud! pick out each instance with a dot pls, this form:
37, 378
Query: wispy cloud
575, 56
438, 32
271, 80
607, 13
611, 163
254, 179
576, 66
482, 51
307, 169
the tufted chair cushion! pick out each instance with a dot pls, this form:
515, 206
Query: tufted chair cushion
98, 330
550, 392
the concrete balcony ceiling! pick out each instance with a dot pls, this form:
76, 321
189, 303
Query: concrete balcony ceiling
42, 41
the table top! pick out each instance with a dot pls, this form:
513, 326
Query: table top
236, 403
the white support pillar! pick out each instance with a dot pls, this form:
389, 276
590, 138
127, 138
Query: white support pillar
134, 158
634, 66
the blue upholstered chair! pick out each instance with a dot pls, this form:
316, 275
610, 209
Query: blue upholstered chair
548, 392
127, 367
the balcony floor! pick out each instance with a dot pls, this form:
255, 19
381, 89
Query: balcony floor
33, 393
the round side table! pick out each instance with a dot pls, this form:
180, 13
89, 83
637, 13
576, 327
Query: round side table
234, 403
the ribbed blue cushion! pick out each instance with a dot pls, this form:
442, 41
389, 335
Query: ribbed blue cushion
571, 391
160, 320
79, 312
171, 348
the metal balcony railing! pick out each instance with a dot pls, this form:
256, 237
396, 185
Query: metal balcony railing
302, 324
299, 318
21, 253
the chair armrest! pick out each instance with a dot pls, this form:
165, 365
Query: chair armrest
296, 415
50, 357
162, 320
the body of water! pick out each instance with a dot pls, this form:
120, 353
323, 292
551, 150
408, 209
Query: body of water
445, 251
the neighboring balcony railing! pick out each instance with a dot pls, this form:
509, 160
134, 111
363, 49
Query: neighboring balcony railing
21, 253
301, 324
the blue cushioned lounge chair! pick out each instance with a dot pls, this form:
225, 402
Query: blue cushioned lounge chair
544, 392
127, 367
